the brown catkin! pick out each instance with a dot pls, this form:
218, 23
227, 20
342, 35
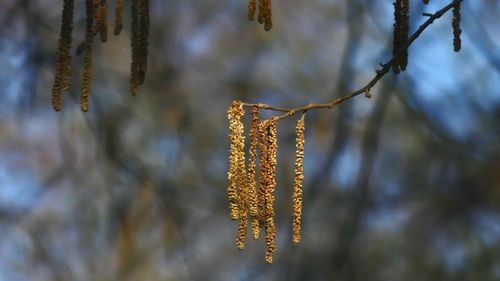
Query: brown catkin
87, 58
143, 40
67, 36
299, 178
118, 17
135, 43
234, 114
268, 18
252, 6
103, 20
63, 58
96, 8
405, 28
263, 170
260, 16
397, 36
457, 31
271, 179
252, 185
426, 2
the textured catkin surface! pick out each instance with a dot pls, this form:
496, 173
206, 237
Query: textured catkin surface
252, 182
269, 194
299, 178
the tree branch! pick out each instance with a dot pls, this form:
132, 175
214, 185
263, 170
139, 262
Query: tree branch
288, 112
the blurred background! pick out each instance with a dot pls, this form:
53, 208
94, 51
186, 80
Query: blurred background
403, 186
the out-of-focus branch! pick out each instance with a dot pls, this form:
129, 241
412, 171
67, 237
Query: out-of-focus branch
385, 68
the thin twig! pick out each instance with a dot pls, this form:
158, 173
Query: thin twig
288, 112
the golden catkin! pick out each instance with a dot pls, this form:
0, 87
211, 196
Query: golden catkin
103, 20
118, 17
263, 170
457, 31
299, 178
252, 6
397, 35
271, 182
143, 40
63, 61
135, 43
243, 198
87, 59
237, 175
236, 138
252, 185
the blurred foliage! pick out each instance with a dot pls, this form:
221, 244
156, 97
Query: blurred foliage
405, 186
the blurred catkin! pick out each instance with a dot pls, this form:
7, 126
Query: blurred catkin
252, 6
457, 31
118, 17
87, 58
401, 31
405, 28
143, 40
103, 19
135, 45
62, 77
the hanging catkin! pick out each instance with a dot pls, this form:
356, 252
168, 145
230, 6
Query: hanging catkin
63, 61
87, 58
405, 28
118, 17
271, 186
397, 42
268, 18
236, 138
263, 171
260, 16
242, 195
426, 2
252, 6
252, 185
457, 31
135, 43
67, 37
103, 19
143, 40
299, 178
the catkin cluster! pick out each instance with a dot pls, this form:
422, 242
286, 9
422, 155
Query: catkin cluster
247, 200
265, 12
96, 24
